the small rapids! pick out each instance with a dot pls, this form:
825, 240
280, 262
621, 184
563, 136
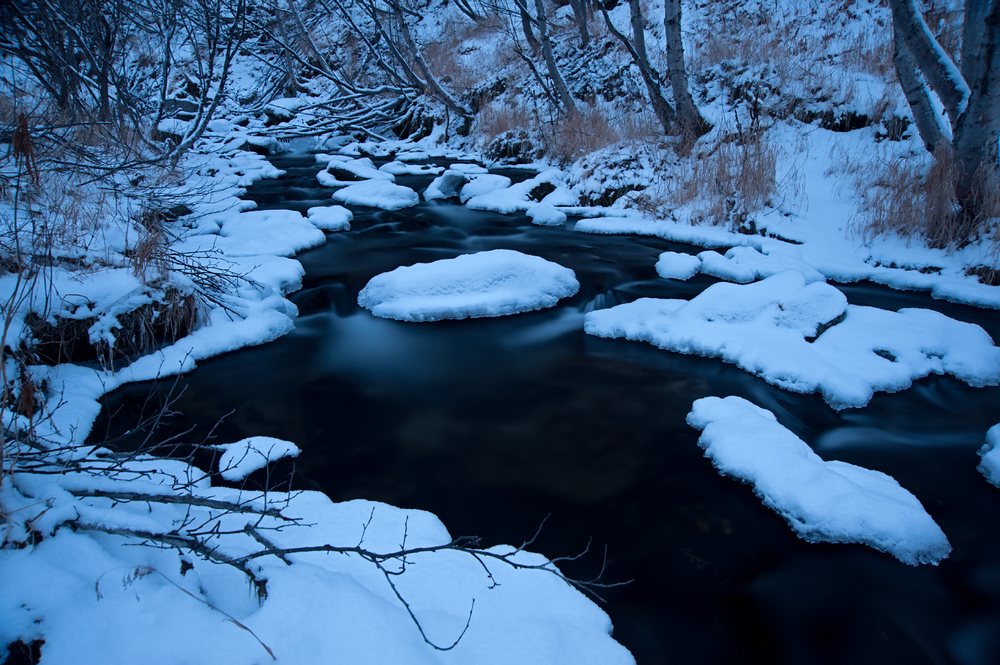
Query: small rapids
494, 424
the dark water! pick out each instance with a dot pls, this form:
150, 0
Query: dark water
493, 424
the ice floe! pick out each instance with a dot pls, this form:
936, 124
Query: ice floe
492, 283
823, 501
804, 337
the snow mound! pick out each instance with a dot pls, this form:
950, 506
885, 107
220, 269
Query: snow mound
674, 265
330, 218
242, 458
493, 283
806, 338
545, 215
990, 454
378, 194
823, 501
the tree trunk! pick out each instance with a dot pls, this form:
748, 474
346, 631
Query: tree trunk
580, 13
425, 71
976, 131
550, 61
526, 26
937, 68
917, 95
688, 116
661, 108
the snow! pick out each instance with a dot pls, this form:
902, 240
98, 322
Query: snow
242, 458
277, 232
989, 466
823, 501
518, 198
493, 283
330, 218
400, 168
378, 194
546, 215
769, 328
675, 265
96, 598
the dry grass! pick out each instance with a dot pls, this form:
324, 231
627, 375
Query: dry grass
729, 180
498, 117
910, 198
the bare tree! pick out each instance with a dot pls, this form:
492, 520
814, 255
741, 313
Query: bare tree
968, 94
664, 112
569, 107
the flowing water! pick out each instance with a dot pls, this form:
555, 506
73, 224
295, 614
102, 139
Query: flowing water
494, 424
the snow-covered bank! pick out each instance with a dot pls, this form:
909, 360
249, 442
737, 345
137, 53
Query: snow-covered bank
348, 593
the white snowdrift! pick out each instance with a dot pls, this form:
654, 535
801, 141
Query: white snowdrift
767, 328
823, 501
378, 194
493, 283
990, 454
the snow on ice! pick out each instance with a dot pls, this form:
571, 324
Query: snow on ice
804, 337
823, 501
493, 283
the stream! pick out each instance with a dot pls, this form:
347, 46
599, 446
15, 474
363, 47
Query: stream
495, 424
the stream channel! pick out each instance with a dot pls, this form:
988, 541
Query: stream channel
493, 424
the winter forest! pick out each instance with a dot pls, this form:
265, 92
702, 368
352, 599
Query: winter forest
500, 331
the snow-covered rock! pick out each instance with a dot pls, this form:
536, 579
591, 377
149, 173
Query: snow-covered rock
804, 337
330, 218
545, 215
989, 466
493, 283
675, 265
378, 194
823, 501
